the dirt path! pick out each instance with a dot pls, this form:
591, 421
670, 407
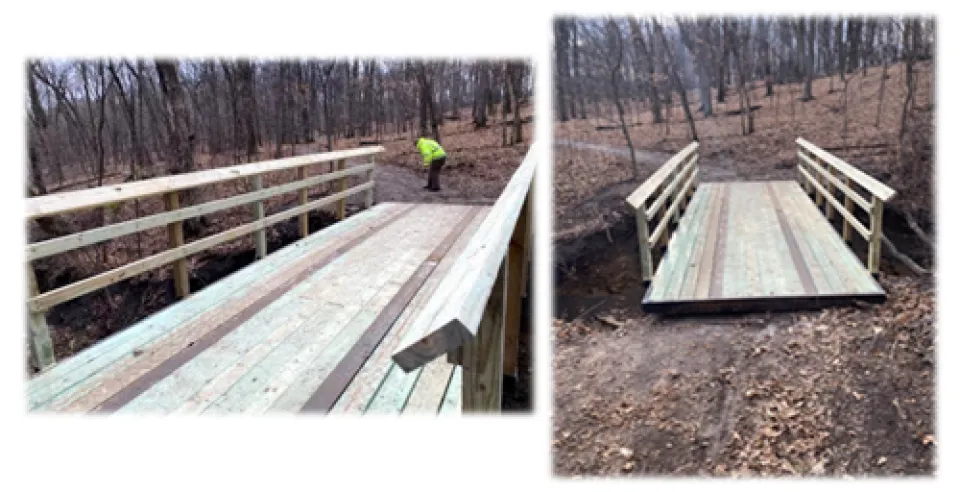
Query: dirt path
401, 184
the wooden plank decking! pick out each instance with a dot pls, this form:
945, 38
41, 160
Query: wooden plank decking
756, 246
311, 327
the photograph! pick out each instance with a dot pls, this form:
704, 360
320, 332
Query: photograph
278, 235
744, 223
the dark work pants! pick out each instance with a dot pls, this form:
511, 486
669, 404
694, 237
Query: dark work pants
433, 175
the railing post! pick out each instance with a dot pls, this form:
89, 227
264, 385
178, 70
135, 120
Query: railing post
832, 190
181, 273
516, 257
876, 234
482, 357
40, 343
304, 198
342, 203
816, 174
643, 237
369, 195
847, 204
807, 187
260, 236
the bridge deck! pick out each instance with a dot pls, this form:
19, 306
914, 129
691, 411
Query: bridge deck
756, 246
309, 327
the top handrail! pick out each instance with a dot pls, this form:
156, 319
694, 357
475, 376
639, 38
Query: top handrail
648, 187
72, 201
872, 185
452, 316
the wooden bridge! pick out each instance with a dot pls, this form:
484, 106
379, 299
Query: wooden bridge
746, 246
352, 318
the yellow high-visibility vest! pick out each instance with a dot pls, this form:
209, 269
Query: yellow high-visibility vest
430, 150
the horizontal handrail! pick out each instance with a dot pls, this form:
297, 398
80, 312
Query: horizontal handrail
173, 218
456, 310
72, 201
669, 186
861, 229
49, 299
652, 184
93, 236
824, 174
873, 186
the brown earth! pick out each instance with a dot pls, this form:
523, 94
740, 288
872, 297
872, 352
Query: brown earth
841, 391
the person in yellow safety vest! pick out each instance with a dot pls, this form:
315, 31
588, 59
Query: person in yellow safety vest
433, 157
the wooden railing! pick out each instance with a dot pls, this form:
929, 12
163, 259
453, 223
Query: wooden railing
475, 316
661, 200
829, 179
169, 187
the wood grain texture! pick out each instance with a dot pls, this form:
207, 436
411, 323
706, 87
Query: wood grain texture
756, 242
58, 203
181, 270
76, 289
875, 187
467, 288
71, 374
656, 180
482, 357
93, 236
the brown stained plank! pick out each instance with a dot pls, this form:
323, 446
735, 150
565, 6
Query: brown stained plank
707, 257
168, 366
326, 396
791, 209
806, 279
723, 220
806, 215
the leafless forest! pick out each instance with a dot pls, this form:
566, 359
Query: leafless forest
103, 121
721, 80
840, 391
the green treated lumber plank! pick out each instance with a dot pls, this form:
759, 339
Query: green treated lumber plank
394, 391
689, 233
60, 295
702, 257
783, 272
688, 279
93, 236
413, 319
468, 291
58, 203
642, 193
109, 383
806, 218
872, 185
675, 256
290, 374
735, 275
452, 398
776, 270
70, 372
701, 288
851, 273
791, 208
428, 394
201, 380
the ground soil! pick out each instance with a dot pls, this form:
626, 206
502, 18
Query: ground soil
840, 391
478, 167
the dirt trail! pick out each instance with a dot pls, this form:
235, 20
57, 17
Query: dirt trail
401, 184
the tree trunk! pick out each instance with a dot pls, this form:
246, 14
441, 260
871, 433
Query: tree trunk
677, 82
641, 45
